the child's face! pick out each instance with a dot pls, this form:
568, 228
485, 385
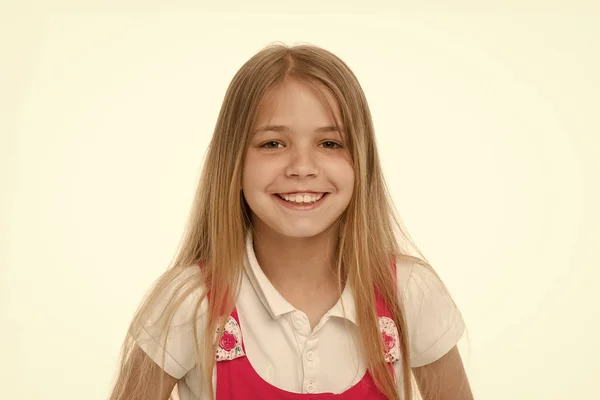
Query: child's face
295, 155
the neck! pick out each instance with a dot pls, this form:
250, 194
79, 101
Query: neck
297, 262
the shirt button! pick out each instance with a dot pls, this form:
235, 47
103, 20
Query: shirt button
310, 388
298, 325
270, 374
310, 356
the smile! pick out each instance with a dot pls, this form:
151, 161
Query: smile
301, 201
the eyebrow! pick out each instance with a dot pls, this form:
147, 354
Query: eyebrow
284, 128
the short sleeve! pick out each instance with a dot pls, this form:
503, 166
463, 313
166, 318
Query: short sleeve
435, 324
179, 358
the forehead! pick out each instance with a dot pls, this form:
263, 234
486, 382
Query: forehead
293, 97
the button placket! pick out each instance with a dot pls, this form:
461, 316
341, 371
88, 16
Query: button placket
310, 363
300, 330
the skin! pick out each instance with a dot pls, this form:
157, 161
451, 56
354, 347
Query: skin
444, 379
294, 148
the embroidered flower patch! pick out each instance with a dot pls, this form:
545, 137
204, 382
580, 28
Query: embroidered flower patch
230, 342
391, 340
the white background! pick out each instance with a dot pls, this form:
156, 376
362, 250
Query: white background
487, 122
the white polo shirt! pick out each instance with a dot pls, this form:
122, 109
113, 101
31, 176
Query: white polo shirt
281, 347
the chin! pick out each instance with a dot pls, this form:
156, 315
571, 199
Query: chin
301, 231
309, 233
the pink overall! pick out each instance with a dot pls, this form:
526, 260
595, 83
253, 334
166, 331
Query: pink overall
237, 379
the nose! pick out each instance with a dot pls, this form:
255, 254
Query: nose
301, 163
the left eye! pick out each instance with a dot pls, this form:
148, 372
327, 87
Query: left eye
331, 145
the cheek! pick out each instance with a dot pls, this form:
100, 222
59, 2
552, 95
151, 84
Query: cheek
344, 174
256, 173
349, 182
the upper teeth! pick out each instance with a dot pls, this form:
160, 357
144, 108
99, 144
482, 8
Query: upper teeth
302, 197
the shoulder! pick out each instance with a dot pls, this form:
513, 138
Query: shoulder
415, 278
171, 318
433, 320
177, 290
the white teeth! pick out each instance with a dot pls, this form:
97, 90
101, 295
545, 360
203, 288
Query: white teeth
300, 198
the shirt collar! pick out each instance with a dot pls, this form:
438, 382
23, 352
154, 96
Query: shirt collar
345, 307
275, 303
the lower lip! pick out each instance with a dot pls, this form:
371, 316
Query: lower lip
293, 206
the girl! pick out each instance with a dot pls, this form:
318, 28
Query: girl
293, 280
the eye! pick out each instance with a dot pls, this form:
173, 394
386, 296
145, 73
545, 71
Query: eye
330, 144
272, 144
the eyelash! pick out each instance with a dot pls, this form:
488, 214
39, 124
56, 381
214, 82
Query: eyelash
264, 145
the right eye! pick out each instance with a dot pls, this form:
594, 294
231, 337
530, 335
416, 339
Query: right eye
272, 144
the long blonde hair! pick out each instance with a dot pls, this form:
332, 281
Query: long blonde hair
218, 224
